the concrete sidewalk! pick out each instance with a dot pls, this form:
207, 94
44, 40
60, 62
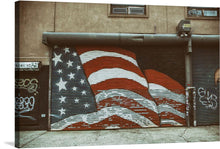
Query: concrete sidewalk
32, 139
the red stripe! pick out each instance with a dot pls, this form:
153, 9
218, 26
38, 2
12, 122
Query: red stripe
176, 105
113, 120
131, 105
121, 83
159, 78
83, 49
110, 62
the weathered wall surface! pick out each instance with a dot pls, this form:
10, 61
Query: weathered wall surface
34, 19
205, 26
38, 17
73, 17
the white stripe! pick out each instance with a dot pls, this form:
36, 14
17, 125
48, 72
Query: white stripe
128, 94
154, 86
112, 127
158, 91
102, 114
90, 55
172, 122
168, 108
112, 73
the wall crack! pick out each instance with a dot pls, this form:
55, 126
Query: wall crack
184, 133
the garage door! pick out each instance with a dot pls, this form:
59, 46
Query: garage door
109, 87
205, 66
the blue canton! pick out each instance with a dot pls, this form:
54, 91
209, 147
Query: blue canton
71, 92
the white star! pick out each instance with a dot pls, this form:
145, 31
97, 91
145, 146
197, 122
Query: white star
82, 81
78, 67
76, 100
71, 75
60, 71
62, 111
61, 84
69, 63
74, 88
86, 105
83, 92
74, 54
57, 59
66, 50
62, 99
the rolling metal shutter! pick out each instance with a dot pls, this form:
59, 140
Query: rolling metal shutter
31, 98
205, 63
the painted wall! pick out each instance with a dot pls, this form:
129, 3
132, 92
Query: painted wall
103, 87
38, 17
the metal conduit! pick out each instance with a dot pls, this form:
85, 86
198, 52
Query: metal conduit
67, 38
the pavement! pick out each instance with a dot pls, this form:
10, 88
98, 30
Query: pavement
33, 139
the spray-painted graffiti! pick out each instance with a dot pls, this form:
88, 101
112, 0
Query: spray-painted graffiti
209, 100
24, 105
31, 85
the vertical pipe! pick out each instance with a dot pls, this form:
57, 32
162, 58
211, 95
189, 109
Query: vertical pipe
188, 64
188, 74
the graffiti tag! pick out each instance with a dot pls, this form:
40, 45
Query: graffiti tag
30, 85
24, 105
207, 99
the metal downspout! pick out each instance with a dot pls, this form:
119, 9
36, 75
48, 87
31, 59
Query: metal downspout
188, 77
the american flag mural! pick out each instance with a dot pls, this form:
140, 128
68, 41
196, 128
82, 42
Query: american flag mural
169, 96
101, 88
